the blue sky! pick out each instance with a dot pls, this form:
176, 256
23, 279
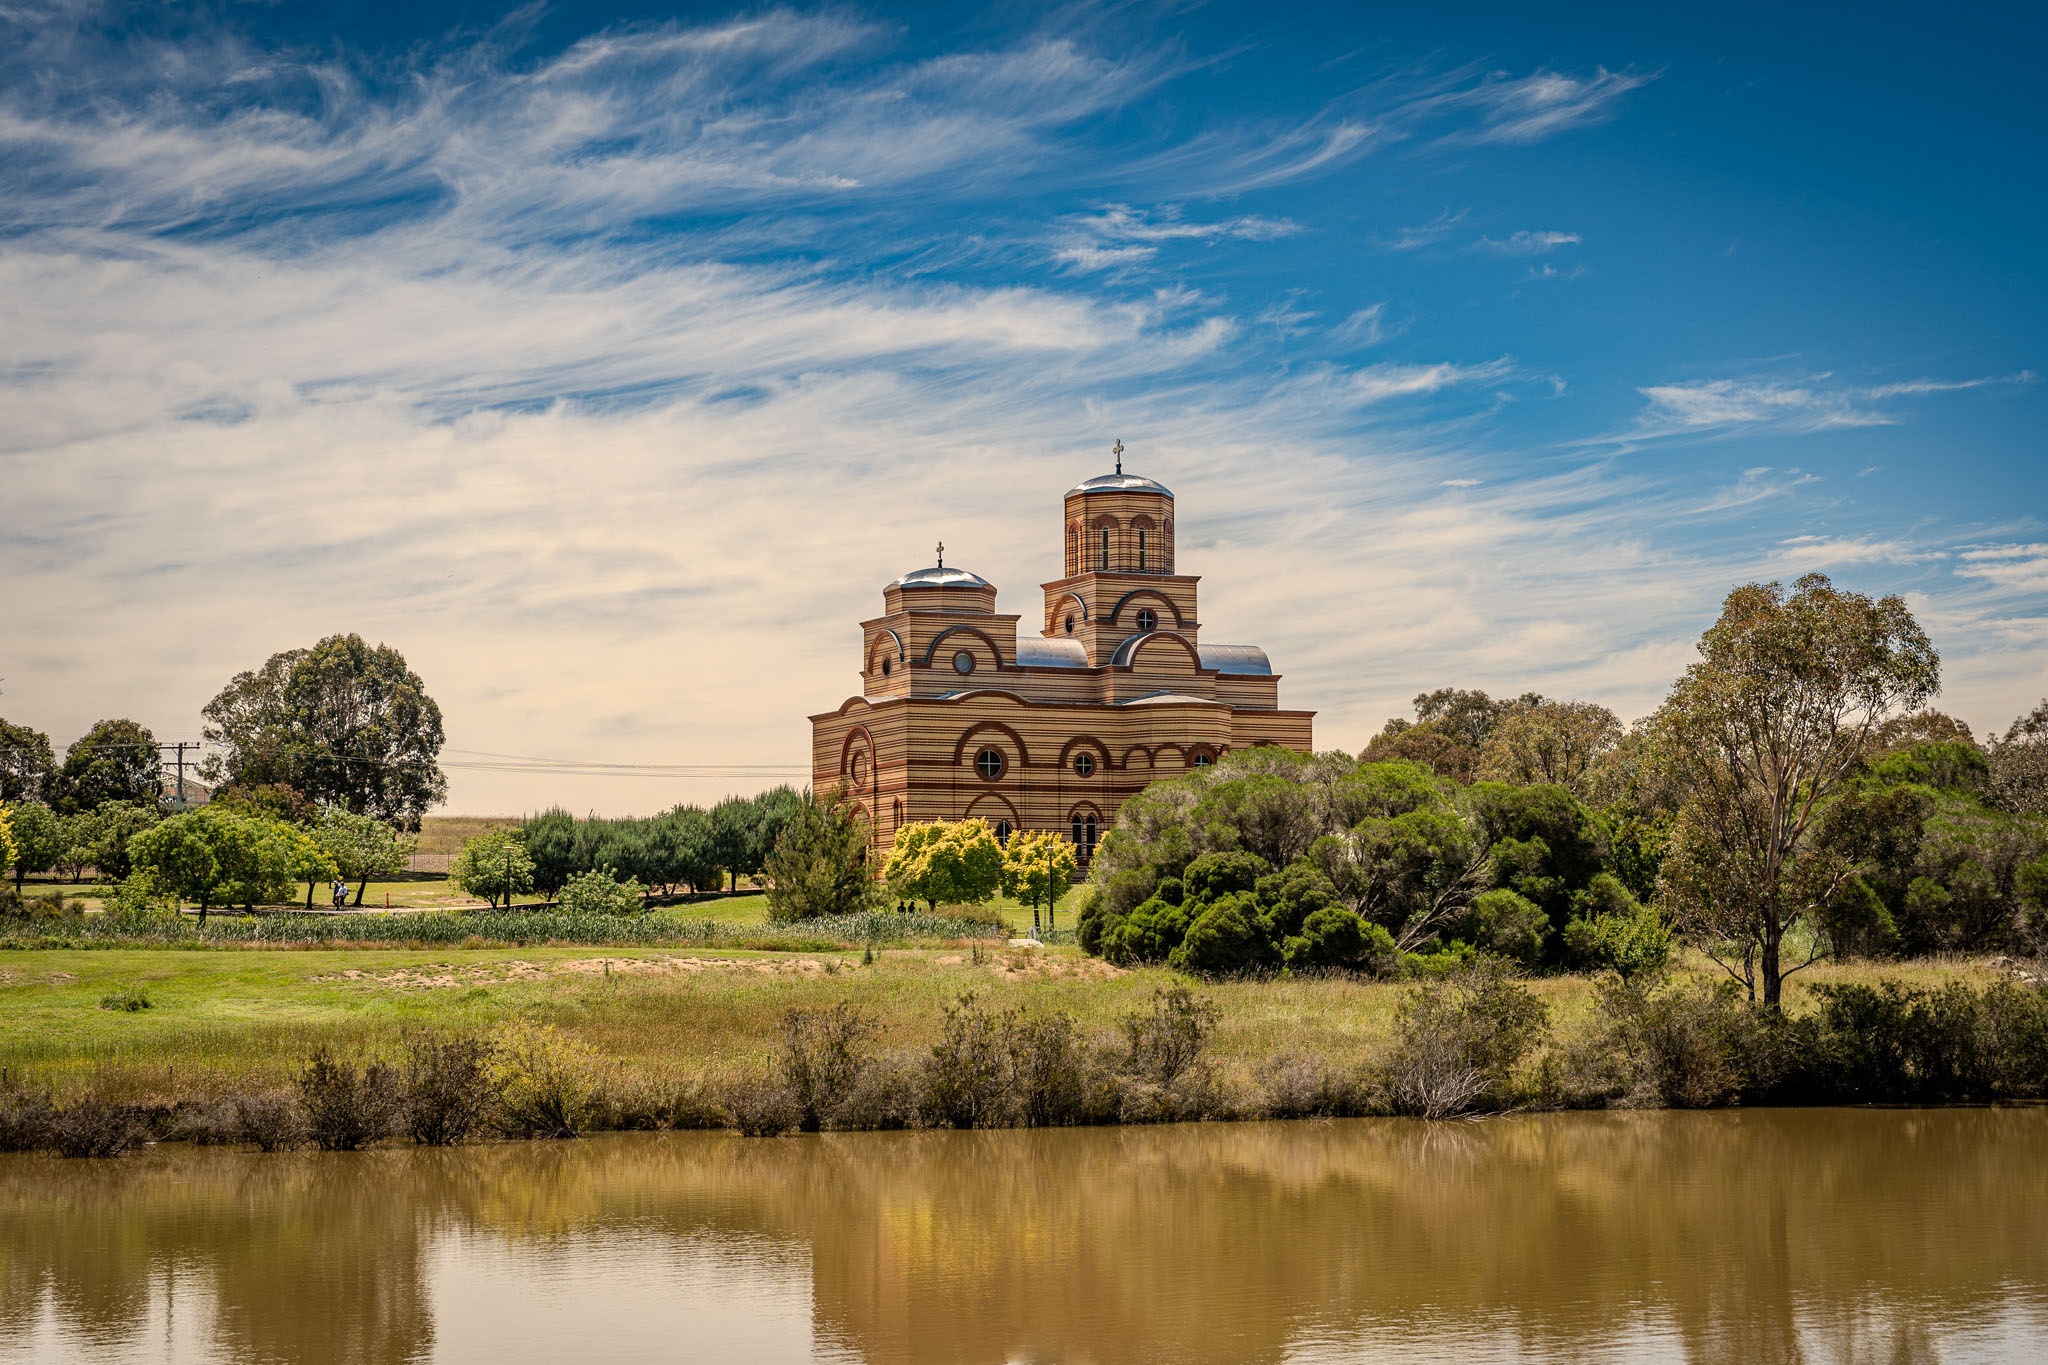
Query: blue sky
582, 353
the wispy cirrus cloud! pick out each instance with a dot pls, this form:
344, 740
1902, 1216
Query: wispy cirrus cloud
1817, 403
1526, 243
1119, 235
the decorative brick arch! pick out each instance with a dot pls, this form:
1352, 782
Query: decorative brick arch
960, 748
1105, 522
982, 806
1137, 644
1163, 599
857, 735
883, 639
1135, 752
932, 650
1059, 607
1086, 742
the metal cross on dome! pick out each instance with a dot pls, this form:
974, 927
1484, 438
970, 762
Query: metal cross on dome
942, 554
1118, 451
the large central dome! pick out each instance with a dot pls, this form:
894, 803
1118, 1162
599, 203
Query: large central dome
1120, 483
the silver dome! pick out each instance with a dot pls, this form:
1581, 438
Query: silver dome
940, 577
1120, 483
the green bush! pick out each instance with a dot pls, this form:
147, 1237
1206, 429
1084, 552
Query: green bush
448, 1088
600, 892
1459, 1039
347, 1106
1509, 924
1224, 939
824, 1055
547, 1082
1334, 938
966, 1077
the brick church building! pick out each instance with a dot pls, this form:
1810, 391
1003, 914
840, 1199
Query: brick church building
962, 716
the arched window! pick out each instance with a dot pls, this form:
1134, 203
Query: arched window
1077, 835
1071, 538
1103, 562
1203, 760
1141, 549
896, 814
1084, 764
1148, 619
1088, 844
1003, 833
989, 763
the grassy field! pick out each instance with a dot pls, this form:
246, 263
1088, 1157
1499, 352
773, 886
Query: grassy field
223, 1019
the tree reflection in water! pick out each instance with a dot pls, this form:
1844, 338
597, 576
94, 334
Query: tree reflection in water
1762, 1235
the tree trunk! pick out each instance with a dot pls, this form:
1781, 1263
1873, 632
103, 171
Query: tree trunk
202, 914
361, 887
309, 893
1773, 983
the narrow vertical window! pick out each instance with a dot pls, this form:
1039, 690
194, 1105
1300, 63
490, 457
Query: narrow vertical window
1077, 834
1141, 549
1103, 562
1088, 849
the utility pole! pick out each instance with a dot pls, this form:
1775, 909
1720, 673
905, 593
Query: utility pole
181, 774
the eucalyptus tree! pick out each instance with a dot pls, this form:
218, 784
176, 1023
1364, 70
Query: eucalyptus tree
1760, 733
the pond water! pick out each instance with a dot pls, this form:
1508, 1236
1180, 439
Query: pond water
1768, 1235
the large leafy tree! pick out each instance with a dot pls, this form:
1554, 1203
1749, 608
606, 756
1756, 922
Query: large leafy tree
39, 839
217, 858
958, 863
361, 846
1551, 741
1038, 866
116, 760
494, 865
26, 761
345, 723
1770, 723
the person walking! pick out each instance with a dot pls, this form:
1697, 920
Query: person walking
340, 894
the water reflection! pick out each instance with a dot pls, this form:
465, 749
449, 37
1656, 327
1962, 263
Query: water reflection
1769, 1235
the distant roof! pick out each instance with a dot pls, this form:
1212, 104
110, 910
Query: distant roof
1236, 659
1119, 483
940, 576
1040, 652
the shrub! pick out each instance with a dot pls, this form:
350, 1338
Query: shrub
965, 1080
1218, 874
762, 1107
546, 1081
1050, 1071
204, 1123
345, 1106
1165, 1075
1509, 924
2012, 1040
94, 1125
127, 1000
270, 1119
1333, 937
24, 1122
823, 1056
1225, 939
1458, 1039
1148, 934
600, 892
1693, 1046
448, 1088
1307, 1087
883, 1096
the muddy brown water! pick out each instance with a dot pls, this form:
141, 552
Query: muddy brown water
1770, 1235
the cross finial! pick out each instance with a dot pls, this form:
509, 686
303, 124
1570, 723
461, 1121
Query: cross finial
942, 554
1118, 451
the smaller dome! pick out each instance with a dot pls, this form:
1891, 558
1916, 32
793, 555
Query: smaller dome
940, 577
1119, 483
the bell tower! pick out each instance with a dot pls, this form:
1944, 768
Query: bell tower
1118, 559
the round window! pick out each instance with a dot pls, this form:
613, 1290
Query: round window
1148, 619
989, 763
1084, 764
963, 662
1070, 625
885, 666
858, 766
